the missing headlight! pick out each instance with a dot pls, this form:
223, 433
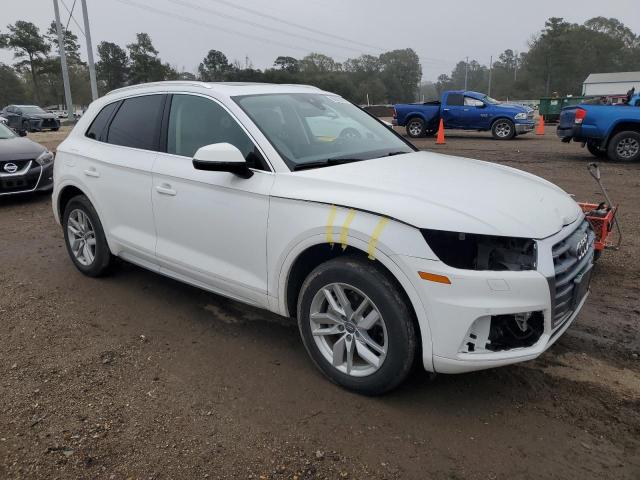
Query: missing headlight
471, 251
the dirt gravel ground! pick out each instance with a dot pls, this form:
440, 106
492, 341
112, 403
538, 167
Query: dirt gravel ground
136, 376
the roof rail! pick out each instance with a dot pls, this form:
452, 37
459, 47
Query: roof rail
156, 84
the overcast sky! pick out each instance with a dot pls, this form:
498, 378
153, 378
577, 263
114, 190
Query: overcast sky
441, 32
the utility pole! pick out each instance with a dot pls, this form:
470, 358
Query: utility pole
490, 69
466, 73
63, 61
92, 66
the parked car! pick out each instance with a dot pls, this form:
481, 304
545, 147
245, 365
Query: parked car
25, 166
466, 111
30, 118
611, 131
383, 253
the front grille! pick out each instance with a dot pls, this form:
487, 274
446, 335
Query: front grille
530, 115
568, 268
18, 163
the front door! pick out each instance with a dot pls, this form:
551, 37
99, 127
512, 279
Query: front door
211, 226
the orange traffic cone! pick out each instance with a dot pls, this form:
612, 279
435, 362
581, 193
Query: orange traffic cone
540, 127
440, 138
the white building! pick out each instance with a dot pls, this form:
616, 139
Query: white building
618, 83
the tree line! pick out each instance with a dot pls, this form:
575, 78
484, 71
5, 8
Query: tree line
558, 60
36, 76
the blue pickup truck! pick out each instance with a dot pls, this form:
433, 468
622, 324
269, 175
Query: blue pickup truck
464, 110
606, 130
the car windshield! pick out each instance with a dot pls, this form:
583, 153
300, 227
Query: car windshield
488, 99
6, 132
32, 109
314, 129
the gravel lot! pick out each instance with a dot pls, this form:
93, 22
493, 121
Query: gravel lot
137, 376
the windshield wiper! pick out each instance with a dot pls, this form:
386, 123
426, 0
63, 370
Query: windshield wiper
325, 163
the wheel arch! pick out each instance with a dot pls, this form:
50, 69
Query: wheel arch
501, 117
621, 126
314, 251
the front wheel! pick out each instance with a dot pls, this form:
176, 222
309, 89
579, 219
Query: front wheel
503, 129
84, 237
356, 325
415, 128
624, 147
25, 126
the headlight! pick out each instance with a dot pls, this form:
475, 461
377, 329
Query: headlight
521, 116
45, 158
470, 251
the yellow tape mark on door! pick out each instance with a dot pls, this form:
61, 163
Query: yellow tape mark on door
332, 218
345, 228
373, 242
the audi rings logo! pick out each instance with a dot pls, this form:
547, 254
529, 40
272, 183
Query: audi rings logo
10, 167
582, 247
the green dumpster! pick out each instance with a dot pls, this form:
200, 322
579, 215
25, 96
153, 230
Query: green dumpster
550, 106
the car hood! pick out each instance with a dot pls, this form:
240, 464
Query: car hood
512, 108
43, 116
19, 148
441, 192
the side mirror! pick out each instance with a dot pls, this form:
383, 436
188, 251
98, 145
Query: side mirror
482, 105
221, 157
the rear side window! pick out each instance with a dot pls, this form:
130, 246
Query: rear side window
137, 123
455, 99
97, 130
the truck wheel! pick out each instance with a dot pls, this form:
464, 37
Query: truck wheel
415, 128
356, 325
594, 149
503, 129
624, 147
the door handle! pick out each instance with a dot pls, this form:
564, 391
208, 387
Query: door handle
165, 189
91, 172
446, 109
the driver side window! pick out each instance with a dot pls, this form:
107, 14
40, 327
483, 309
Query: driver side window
472, 102
197, 121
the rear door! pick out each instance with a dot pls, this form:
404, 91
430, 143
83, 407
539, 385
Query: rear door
453, 110
211, 226
120, 148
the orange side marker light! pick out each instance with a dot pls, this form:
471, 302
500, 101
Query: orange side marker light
432, 277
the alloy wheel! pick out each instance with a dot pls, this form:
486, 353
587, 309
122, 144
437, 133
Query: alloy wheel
348, 330
82, 237
503, 129
627, 148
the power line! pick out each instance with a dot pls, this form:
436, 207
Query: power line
208, 26
69, 19
259, 25
296, 25
71, 16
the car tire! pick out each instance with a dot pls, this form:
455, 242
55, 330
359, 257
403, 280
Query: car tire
503, 129
25, 126
415, 127
55, 129
594, 149
624, 147
84, 237
381, 336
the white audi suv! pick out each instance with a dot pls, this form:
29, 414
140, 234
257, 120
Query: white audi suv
293, 199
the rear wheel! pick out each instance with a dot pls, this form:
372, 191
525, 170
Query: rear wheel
594, 149
415, 128
356, 326
503, 129
84, 237
624, 147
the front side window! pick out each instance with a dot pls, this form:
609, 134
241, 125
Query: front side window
311, 129
5, 132
137, 123
472, 102
197, 121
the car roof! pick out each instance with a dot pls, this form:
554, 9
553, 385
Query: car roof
224, 88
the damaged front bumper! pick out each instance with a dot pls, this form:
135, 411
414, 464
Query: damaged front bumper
486, 319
